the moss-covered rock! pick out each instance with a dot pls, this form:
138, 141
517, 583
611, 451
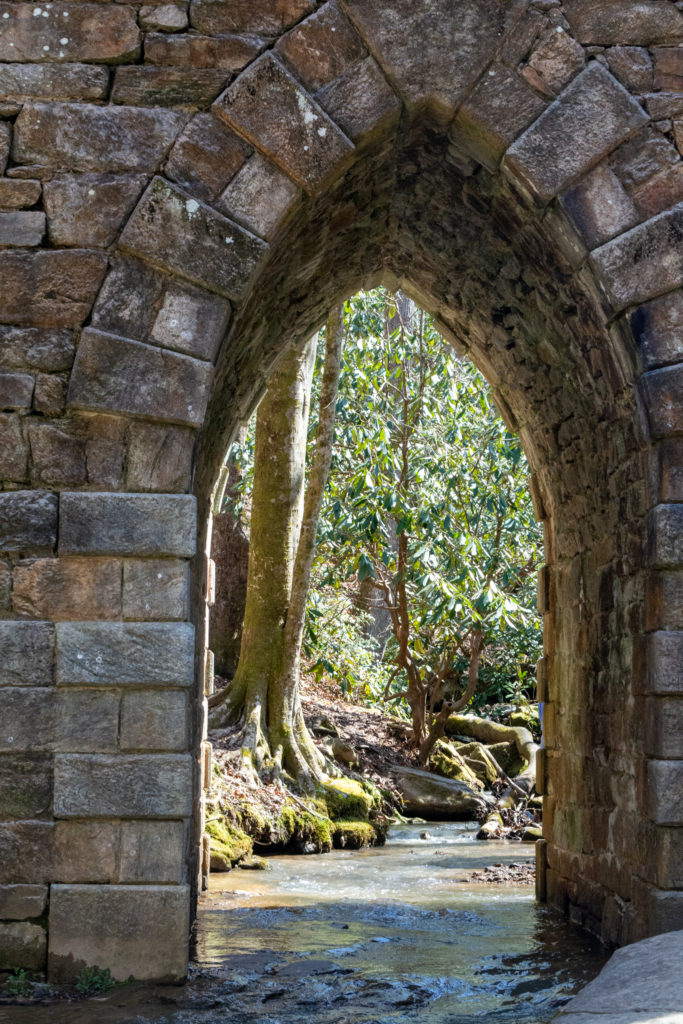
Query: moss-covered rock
447, 761
528, 718
352, 835
351, 799
507, 756
307, 832
475, 757
228, 844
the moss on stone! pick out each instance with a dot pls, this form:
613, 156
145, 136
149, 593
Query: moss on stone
302, 828
527, 718
229, 844
447, 761
508, 758
352, 835
350, 799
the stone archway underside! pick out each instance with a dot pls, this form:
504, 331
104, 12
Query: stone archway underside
179, 202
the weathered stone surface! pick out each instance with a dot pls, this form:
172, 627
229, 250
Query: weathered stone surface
261, 16
666, 535
165, 18
632, 65
127, 524
159, 458
49, 289
665, 792
643, 262
600, 206
25, 787
28, 521
668, 68
124, 654
150, 86
192, 321
79, 137
664, 600
643, 156
667, 470
129, 298
659, 193
269, 106
126, 949
147, 785
590, 118
153, 851
664, 727
661, 105
118, 375
27, 650
555, 60
68, 588
5, 586
89, 209
26, 720
227, 53
321, 47
663, 389
15, 195
58, 458
206, 156
496, 112
16, 390
67, 851
664, 653
54, 81
433, 797
360, 101
156, 589
5, 143
14, 452
86, 722
611, 22
22, 945
179, 233
67, 32
658, 330
154, 721
259, 196
22, 228
34, 349
22, 902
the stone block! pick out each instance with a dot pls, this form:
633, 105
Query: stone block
667, 471
192, 321
25, 787
430, 56
83, 851
129, 299
128, 524
21, 228
556, 58
86, 722
105, 448
206, 156
58, 458
5, 586
259, 196
269, 107
16, 390
643, 262
54, 81
180, 234
164, 18
80, 137
25, 852
611, 22
27, 653
152, 86
668, 68
147, 785
15, 195
159, 458
153, 851
124, 654
495, 113
662, 390
117, 935
27, 719
643, 156
666, 536
600, 206
360, 101
115, 374
321, 47
153, 721
49, 289
632, 65
68, 588
62, 32
5, 143
22, 902
243, 16
664, 727
664, 660
659, 193
588, 120
34, 349
28, 521
14, 453
89, 209
665, 792
156, 589
657, 328
22, 945
228, 53
664, 600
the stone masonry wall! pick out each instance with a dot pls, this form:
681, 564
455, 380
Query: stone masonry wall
187, 187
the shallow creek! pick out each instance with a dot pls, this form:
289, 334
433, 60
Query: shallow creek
382, 936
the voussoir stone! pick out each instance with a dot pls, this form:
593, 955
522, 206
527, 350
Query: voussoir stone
600, 206
321, 47
663, 389
657, 328
588, 120
125, 653
666, 535
191, 320
67, 32
89, 209
127, 524
54, 81
360, 100
175, 231
28, 521
147, 785
664, 659
118, 375
259, 196
269, 107
611, 22
49, 289
260, 16
27, 653
206, 156
22, 902
80, 137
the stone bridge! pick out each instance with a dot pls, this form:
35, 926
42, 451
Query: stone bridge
188, 187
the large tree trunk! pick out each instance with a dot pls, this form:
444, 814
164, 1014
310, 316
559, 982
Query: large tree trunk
230, 552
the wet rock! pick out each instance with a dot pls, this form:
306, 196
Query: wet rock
432, 797
254, 863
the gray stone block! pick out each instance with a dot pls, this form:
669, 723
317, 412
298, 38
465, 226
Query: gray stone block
658, 330
25, 787
156, 589
28, 521
89, 209
22, 945
22, 902
666, 536
27, 719
27, 653
16, 390
52, 82
154, 721
146, 785
33, 348
192, 321
127, 524
665, 657
259, 196
21, 228
665, 792
123, 654
50, 288
662, 390
91, 33
86, 722
361, 100
153, 851
664, 727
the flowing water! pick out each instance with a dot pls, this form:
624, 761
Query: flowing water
389, 935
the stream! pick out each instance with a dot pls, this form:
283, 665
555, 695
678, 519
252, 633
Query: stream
386, 935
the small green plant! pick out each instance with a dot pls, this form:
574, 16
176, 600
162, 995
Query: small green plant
18, 984
94, 979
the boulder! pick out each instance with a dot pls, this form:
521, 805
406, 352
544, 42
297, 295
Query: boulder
430, 796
